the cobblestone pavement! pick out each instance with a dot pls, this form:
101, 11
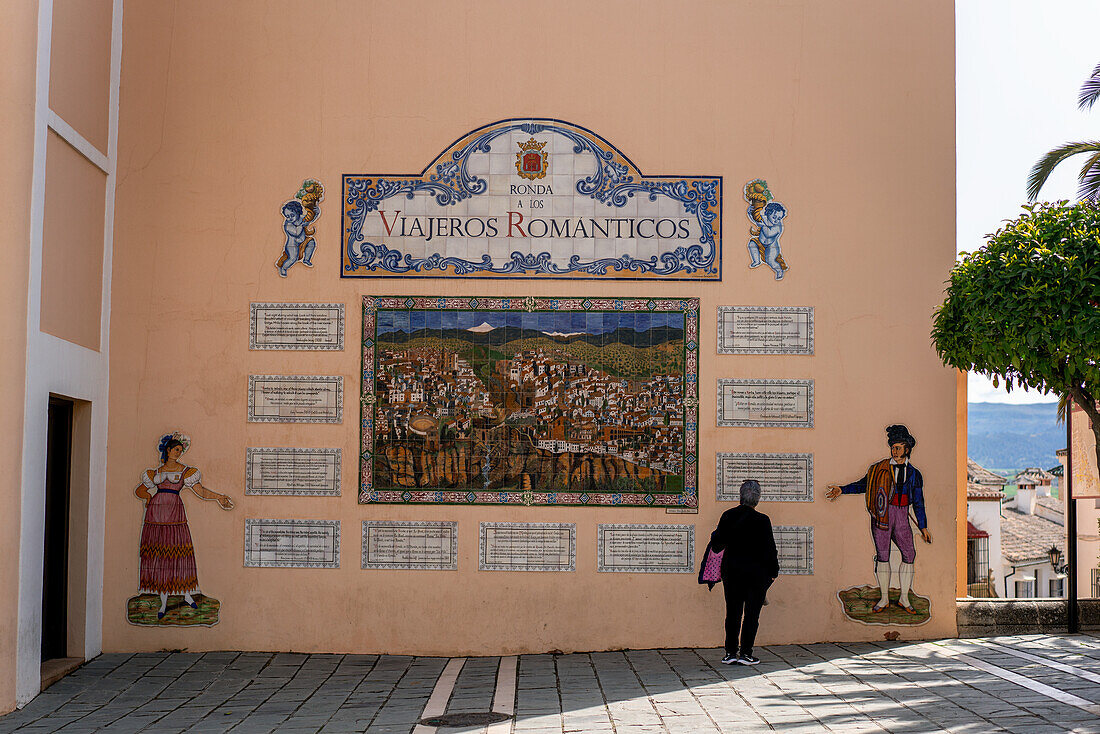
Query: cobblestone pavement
1032, 684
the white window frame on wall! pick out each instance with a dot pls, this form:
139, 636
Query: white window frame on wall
55, 366
1028, 584
1060, 580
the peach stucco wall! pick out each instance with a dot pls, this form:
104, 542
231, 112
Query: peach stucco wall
18, 34
80, 66
846, 108
72, 245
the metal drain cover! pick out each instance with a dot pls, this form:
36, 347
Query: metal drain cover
469, 719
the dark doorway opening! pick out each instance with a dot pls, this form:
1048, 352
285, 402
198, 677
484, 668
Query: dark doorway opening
55, 555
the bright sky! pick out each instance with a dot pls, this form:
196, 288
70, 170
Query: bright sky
1019, 68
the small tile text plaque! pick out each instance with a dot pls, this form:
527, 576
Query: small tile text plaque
527, 546
766, 403
645, 548
291, 543
795, 544
296, 326
295, 399
416, 546
782, 477
765, 330
292, 471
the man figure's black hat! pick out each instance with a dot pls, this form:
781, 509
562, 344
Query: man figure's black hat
900, 434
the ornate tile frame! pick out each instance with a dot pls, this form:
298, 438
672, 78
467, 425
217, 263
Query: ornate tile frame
723, 422
688, 498
687, 529
254, 522
732, 494
615, 182
451, 525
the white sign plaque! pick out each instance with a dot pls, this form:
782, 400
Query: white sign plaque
295, 399
766, 403
291, 471
291, 543
527, 546
296, 326
782, 477
645, 548
416, 546
795, 544
765, 330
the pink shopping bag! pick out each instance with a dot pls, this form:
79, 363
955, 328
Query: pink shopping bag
710, 571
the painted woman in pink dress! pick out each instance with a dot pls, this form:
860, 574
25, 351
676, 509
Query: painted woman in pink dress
167, 555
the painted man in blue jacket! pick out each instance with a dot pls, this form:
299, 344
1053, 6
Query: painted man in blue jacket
892, 486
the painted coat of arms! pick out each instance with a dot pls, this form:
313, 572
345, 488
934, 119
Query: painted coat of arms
532, 160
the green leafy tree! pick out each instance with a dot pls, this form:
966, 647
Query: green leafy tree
1088, 187
1024, 308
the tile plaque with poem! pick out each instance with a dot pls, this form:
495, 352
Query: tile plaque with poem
782, 477
296, 326
291, 543
795, 544
295, 399
765, 330
292, 471
766, 403
527, 546
410, 545
645, 548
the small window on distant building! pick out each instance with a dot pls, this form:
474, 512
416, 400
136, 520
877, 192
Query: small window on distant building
1057, 588
1096, 582
1025, 589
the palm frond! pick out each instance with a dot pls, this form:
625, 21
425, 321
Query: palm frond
1090, 90
1042, 169
1088, 186
1063, 406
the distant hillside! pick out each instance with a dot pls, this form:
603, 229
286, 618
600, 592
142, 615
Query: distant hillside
1007, 438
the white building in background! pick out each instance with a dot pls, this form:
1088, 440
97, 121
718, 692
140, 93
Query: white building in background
1009, 540
984, 495
1033, 523
1035, 478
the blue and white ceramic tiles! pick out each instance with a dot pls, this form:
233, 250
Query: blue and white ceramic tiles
532, 198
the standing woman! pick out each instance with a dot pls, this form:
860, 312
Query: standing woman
167, 555
750, 563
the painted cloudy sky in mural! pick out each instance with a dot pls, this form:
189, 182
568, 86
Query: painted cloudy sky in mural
551, 323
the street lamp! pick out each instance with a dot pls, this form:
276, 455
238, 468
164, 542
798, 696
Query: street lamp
1055, 556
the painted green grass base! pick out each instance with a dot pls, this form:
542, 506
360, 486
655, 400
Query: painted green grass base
858, 601
142, 610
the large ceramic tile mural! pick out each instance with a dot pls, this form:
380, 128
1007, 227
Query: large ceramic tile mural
532, 198
530, 401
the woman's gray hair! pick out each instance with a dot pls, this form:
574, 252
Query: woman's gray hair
750, 492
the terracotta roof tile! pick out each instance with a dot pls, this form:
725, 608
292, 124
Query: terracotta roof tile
1028, 537
978, 474
1051, 503
1035, 473
983, 492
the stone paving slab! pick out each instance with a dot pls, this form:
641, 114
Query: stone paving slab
1029, 684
